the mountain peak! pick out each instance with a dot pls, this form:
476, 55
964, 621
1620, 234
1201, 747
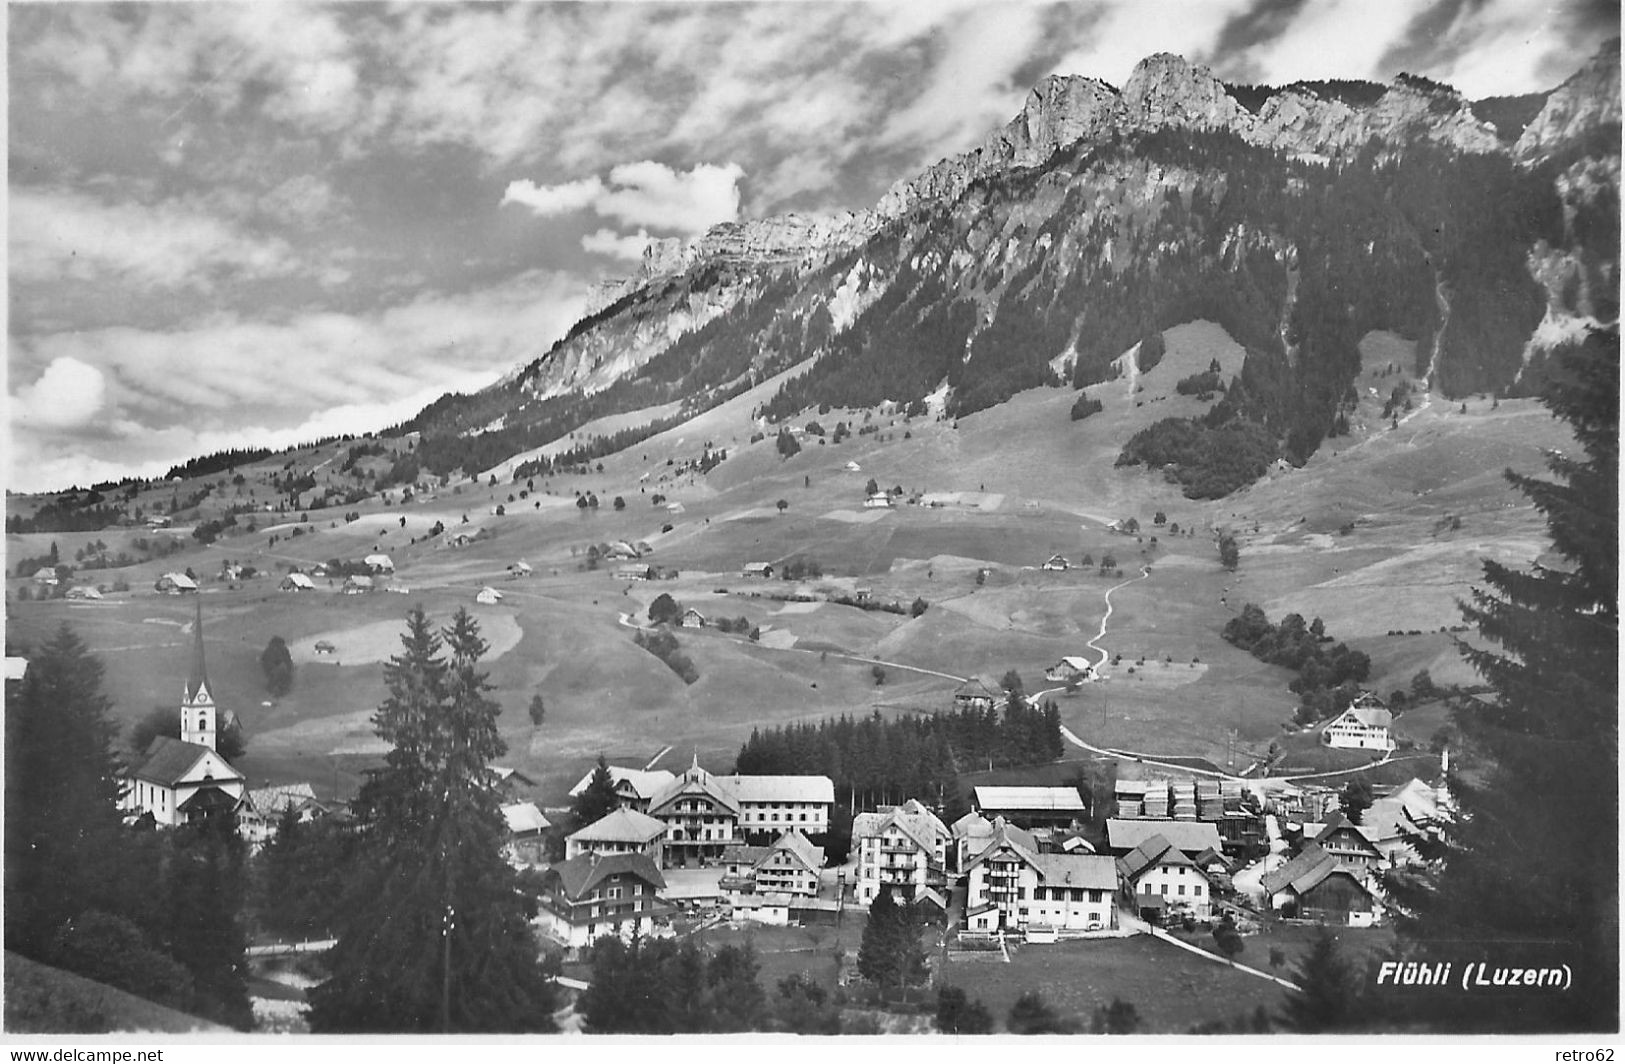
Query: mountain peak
1168, 90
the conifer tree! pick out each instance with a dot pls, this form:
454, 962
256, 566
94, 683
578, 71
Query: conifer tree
599, 799
890, 954
1328, 998
436, 937
1532, 853
62, 790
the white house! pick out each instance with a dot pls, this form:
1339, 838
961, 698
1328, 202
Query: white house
1161, 879
769, 805
46, 576
902, 847
1011, 886
1070, 670
488, 596
379, 563
1056, 563
763, 570
1363, 726
639, 571
177, 780
878, 501
790, 866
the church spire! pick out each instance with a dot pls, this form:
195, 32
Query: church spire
199, 723
198, 680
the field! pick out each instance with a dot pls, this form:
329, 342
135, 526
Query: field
1382, 532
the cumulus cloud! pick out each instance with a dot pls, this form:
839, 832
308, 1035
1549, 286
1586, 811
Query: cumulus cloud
646, 194
68, 395
614, 245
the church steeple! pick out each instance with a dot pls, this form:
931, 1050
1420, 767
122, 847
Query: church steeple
199, 723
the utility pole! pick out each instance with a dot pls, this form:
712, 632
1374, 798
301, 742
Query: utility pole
449, 921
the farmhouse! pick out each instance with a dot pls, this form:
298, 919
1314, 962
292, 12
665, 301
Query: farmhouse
1348, 843
790, 866
261, 813
296, 582
878, 501
1161, 878
639, 571
1056, 564
759, 569
619, 549
83, 591
518, 569
1070, 670
1362, 726
379, 563
1415, 809
904, 848
622, 831
633, 786
463, 535
1031, 807
46, 576
589, 895
1011, 886
1314, 886
185, 779
175, 584
693, 618
978, 693
357, 585
488, 596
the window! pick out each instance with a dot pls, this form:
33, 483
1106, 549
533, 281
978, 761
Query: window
1198, 890
1165, 890
1182, 890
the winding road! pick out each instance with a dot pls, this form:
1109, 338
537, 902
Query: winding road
1094, 644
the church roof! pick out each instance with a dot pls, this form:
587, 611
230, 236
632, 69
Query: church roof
198, 679
168, 759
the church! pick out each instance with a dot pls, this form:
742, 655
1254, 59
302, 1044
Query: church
180, 780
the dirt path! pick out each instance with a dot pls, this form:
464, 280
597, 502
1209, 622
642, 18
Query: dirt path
1094, 644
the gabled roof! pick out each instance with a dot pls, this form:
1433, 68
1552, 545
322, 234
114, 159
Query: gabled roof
645, 783
1007, 835
1191, 836
978, 687
273, 801
739, 853
1154, 852
581, 873
1310, 866
1340, 822
1049, 799
379, 561
180, 580
168, 759
972, 825
1083, 664
695, 780
524, 817
921, 825
757, 567
622, 825
757, 789
1084, 870
798, 845
299, 580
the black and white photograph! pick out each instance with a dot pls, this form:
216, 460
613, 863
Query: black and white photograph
770, 522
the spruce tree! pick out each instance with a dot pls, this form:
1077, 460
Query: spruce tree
599, 799
1328, 998
1532, 853
62, 789
437, 936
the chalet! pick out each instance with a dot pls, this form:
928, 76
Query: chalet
739, 863
524, 820
296, 582
791, 866
1031, 807
488, 596
1056, 563
622, 831
1347, 842
878, 501
1070, 670
763, 570
639, 571
175, 584
46, 576
1160, 879
463, 535
83, 592
263, 809
357, 585
701, 817
518, 570
589, 896
978, 693
904, 848
180, 780
1011, 886
324, 647
379, 564
693, 618
1363, 726
1314, 886
1190, 837
633, 786
620, 549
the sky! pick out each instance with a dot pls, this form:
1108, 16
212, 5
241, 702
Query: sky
254, 224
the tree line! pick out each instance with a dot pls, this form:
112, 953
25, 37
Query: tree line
1329, 674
